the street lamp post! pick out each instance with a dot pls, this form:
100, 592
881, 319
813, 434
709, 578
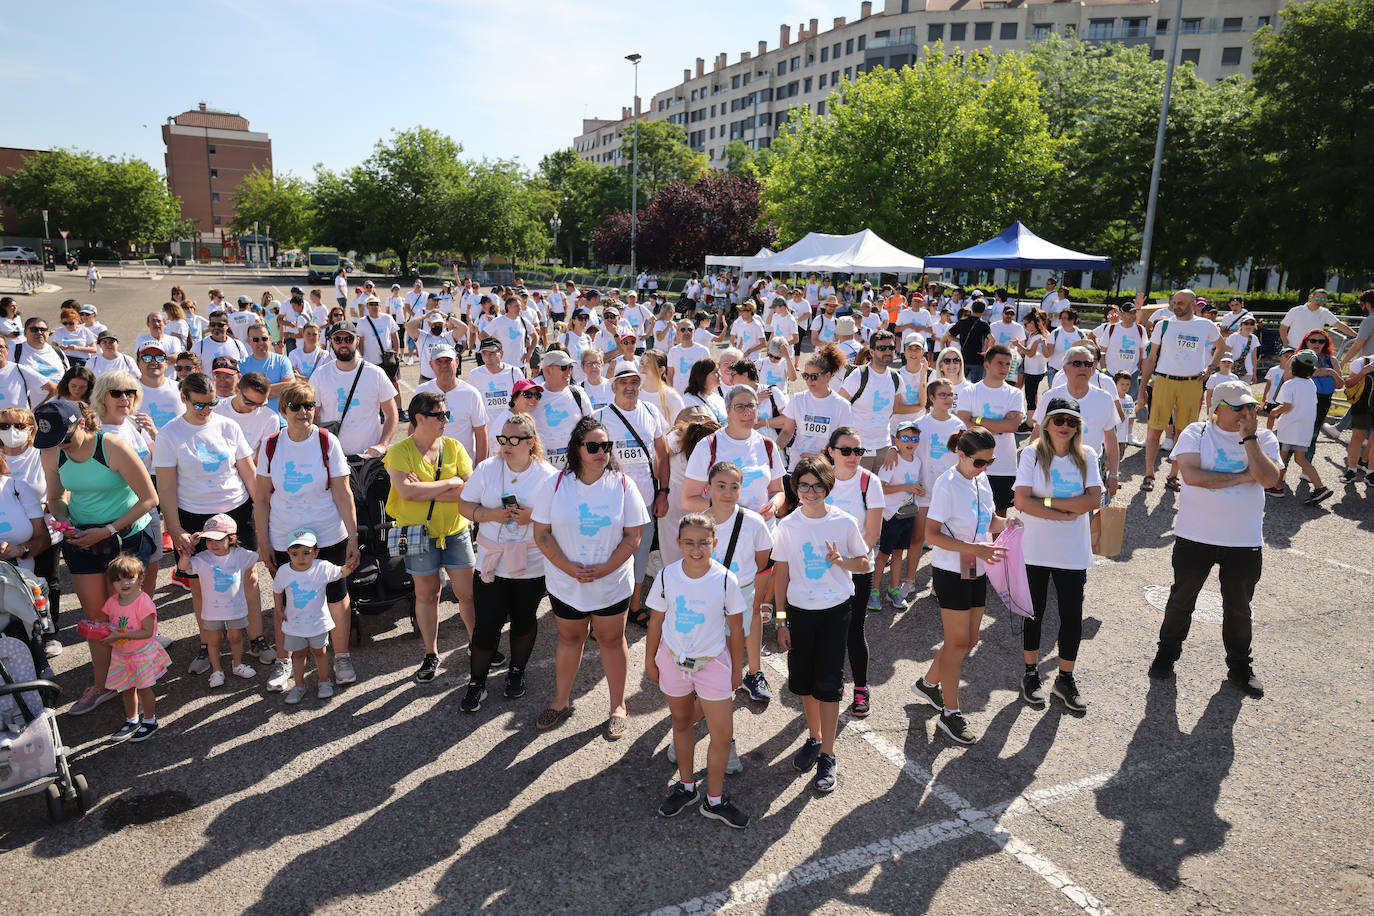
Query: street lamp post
634, 173
555, 224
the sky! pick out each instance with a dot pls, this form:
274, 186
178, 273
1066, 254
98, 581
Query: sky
326, 81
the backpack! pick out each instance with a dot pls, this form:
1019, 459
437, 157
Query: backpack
863, 381
767, 446
271, 447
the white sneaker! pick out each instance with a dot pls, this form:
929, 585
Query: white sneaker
1331, 430
325, 690
1166, 443
245, 671
216, 679
343, 669
163, 641
281, 676
295, 695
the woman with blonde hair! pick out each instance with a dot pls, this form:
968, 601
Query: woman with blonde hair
115, 400
176, 323
691, 425
950, 365
653, 370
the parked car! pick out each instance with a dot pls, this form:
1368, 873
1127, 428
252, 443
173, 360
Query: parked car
12, 254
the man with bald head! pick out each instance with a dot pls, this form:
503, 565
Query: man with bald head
1182, 347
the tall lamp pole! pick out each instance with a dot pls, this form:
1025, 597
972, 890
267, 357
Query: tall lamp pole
634, 173
555, 224
1148, 237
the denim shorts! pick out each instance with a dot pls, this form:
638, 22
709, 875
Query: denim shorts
456, 554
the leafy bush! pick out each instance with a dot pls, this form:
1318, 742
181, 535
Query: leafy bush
92, 253
1218, 296
430, 268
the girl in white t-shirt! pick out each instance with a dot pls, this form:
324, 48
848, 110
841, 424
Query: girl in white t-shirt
1244, 348
810, 415
747, 558
1058, 486
817, 550
936, 426
299, 590
694, 652
308, 357
901, 479
960, 526
1296, 416
223, 574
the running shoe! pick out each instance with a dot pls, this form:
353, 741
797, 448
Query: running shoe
1066, 688
180, 578
216, 679
201, 663
295, 695
429, 667
1278, 492
931, 695
343, 669
826, 779
677, 800
515, 683
262, 650
875, 600
324, 690
472, 700
898, 601
281, 676
245, 671
756, 685
1319, 495
859, 709
1032, 689
725, 812
953, 724
805, 758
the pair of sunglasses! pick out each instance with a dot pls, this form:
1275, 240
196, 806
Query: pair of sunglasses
594, 447
512, 440
849, 451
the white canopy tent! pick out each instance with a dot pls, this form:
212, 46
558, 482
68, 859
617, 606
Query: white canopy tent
734, 260
862, 252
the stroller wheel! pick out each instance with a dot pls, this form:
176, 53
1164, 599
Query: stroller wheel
53, 796
85, 795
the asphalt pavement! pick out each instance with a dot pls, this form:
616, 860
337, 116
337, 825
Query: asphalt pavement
1183, 796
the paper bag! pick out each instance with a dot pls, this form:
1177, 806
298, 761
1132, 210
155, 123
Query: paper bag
1109, 529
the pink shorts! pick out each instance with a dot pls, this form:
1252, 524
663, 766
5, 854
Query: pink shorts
712, 682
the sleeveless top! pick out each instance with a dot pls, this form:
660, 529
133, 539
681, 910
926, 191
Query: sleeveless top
98, 494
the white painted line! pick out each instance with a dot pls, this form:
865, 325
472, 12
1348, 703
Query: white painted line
1346, 566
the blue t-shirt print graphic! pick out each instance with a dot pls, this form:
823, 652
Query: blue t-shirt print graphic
295, 480
553, 416
749, 475
5, 527
880, 402
589, 522
301, 596
1063, 486
159, 415
210, 459
813, 565
686, 619
938, 449
341, 395
225, 581
1225, 462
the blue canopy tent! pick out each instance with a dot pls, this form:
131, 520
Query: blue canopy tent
1017, 248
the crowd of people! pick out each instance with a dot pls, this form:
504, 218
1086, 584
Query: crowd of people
593, 431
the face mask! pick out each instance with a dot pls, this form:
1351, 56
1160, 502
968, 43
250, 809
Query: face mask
13, 438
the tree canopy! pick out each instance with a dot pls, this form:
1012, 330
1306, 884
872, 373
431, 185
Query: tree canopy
282, 201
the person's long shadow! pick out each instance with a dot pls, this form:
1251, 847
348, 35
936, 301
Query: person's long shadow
1147, 529
1172, 815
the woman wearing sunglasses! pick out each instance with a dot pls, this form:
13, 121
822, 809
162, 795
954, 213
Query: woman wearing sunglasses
115, 401
526, 394
1057, 485
960, 526
23, 484
858, 492
950, 365
500, 497
588, 525
811, 415
1327, 378
427, 471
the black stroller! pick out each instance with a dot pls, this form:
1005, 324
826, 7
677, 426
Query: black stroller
380, 581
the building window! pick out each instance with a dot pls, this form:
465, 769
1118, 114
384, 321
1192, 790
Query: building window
1100, 28
1157, 54
1161, 27
734, 82
1230, 57
820, 81
982, 31
906, 6
907, 36
214, 173
896, 61
1192, 26
218, 220
834, 77
782, 67
958, 31
1231, 24
863, 42
825, 54
883, 33
806, 84
935, 31
1134, 28
820, 107
796, 64
1007, 32
1041, 31
214, 197
746, 79
210, 148
1261, 22
835, 51
1191, 56
849, 46
847, 73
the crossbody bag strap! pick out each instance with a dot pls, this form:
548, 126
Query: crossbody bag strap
734, 538
348, 401
380, 346
438, 476
639, 440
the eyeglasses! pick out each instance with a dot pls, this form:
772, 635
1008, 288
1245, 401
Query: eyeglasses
435, 414
259, 339
182, 367
594, 447
885, 349
301, 405
905, 438
980, 463
122, 393
812, 376
253, 404
944, 394
532, 394
201, 405
811, 488
341, 338
512, 440
217, 324
153, 358
849, 451
1064, 420
1080, 363
744, 406
8, 426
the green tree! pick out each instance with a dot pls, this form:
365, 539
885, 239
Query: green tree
583, 195
738, 157
936, 156
121, 201
664, 156
498, 209
283, 201
1310, 199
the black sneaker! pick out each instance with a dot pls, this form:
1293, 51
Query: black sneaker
144, 731
725, 812
757, 687
262, 649
1066, 688
678, 799
825, 780
1247, 682
861, 707
403, 416
953, 724
931, 695
497, 659
125, 732
1348, 475
1160, 669
515, 683
1032, 689
472, 700
428, 669
805, 758
1319, 495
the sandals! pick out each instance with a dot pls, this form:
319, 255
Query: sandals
640, 617
1171, 483
551, 717
617, 727
1147, 485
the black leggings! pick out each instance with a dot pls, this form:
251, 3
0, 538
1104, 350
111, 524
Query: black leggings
1068, 588
494, 603
1032, 383
858, 643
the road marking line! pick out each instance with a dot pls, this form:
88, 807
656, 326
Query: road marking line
1336, 563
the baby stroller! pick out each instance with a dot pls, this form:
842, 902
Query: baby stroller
381, 580
33, 758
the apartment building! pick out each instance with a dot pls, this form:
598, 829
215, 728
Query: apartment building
748, 99
208, 154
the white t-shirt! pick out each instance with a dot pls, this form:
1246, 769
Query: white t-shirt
221, 583
1229, 516
815, 418
79, 336
301, 493
99, 365
964, 508
785, 326
465, 408
850, 496
425, 342
1061, 341
1300, 321
340, 286
1057, 543
681, 360
1243, 351
240, 322
1098, 408
601, 394
385, 326
1274, 379
758, 461
772, 372
902, 473
872, 410
516, 334
21, 386
823, 327
1294, 428
935, 454
711, 401
306, 611
695, 610
1123, 429
587, 523
962, 390
1230, 322
749, 334
257, 424
129, 432
995, 404
490, 481
1037, 364
648, 422
495, 387
19, 506
290, 321
305, 363
207, 348
1183, 347
1218, 378
1122, 347
554, 419
1007, 334
754, 536
813, 583
361, 427
204, 458
45, 360
640, 319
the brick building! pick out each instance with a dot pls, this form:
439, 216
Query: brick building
208, 153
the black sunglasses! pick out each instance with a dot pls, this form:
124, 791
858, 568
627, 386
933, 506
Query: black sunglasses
9, 426
848, 451
594, 447
301, 405
1064, 420
435, 414
1080, 363
980, 463
532, 393
119, 393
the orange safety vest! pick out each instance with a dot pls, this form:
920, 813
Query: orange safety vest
895, 304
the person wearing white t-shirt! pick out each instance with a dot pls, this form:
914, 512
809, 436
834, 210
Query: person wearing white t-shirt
1182, 347
1311, 316
21, 386
516, 331
685, 354
902, 487
1098, 409
1008, 331
378, 331
1230, 322
588, 525
757, 457
782, 324
747, 333
810, 415
218, 343
1227, 462
35, 351
1058, 342
875, 395
308, 355
353, 393
1243, 346
494, 379
561, 406
161, 400
434, 329
248, 408
300, 588
226, 573
1123, 344
467, 420
1220, 377
341, 288
999, 408
1293, 421
638, 318
1057, 489
817, 551
594, 381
